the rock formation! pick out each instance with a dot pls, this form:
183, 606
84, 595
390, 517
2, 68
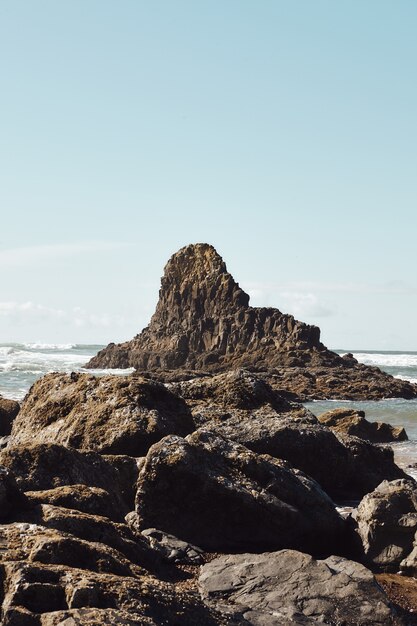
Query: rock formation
118, 494
203, 323
353, 422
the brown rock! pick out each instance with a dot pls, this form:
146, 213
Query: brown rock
110, 414
93, 500
353, 422
220, 496
47, 466
8, 411
345, 468
203, 322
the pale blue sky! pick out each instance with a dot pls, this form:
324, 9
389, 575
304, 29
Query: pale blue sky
282, 132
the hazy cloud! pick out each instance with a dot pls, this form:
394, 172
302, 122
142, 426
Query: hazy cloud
19, 312
21, 257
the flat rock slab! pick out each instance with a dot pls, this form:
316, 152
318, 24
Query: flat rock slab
289, 587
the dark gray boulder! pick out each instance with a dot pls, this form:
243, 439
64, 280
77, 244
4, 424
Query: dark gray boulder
387, 523
290, 588
217, 494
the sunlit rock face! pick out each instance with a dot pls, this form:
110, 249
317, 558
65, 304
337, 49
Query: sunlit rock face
203, 323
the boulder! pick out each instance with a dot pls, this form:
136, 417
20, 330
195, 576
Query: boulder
8, 411
111, 414
203, 323
353, 422
387, 522
217, 494
40, 467
345, 469
290, 588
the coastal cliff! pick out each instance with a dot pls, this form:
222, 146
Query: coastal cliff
203, 323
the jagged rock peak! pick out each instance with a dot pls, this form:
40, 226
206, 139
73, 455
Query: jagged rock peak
196, 281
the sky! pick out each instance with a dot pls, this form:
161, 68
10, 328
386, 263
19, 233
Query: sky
283, 132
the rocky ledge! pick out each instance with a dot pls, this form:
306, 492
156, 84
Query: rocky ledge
203, 324
207, 502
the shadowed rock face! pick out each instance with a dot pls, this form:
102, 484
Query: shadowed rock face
203, 322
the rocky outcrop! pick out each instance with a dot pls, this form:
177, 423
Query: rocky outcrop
51, 578
387, 524
203, 322
353, 422
220, 496
240, 406
288, 588
110, 414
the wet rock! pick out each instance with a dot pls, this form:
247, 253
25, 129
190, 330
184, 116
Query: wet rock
40, 467
8, 412
288, 587
219, 495
203, 323
353, 422
111, 414
387, 523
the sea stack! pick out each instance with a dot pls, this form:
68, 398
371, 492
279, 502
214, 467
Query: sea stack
203, 323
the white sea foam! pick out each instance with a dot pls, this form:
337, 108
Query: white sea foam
409, 379
50, 346
386, 360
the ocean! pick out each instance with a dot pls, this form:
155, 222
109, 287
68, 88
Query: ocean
23, 363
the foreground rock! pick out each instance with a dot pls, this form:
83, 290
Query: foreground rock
203, 322
52, 578
220, 496
353, 422
8, 411
387, 525
240, 406
47, 467
110, 414
346, 468
289, 588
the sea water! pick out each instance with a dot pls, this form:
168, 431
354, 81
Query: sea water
21, 364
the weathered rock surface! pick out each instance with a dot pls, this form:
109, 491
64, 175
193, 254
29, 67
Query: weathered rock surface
8, 411
345, 468
48, 466
203, 322
220, 496
110, 414
93, 500
387, 524
353, 422
240, 406
51, 578
289, 588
